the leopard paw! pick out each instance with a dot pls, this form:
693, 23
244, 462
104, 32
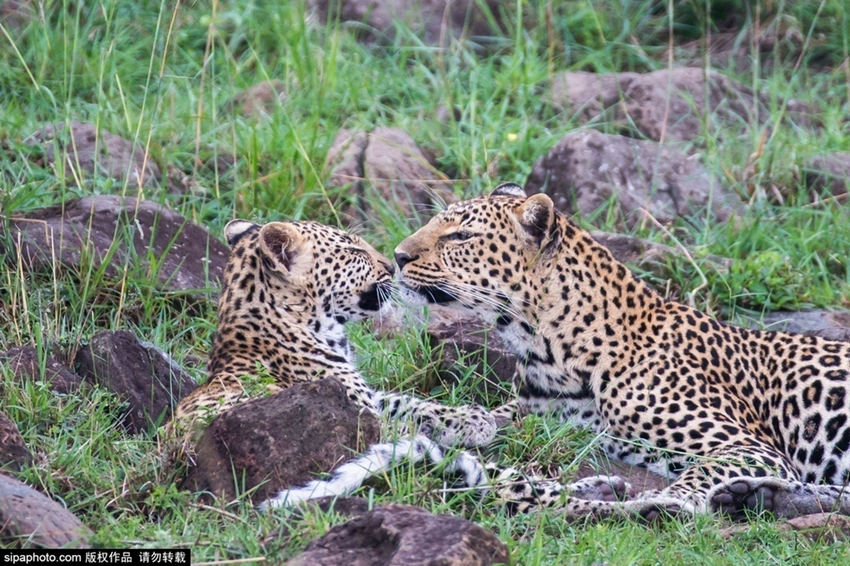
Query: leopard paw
600, 488
742, 496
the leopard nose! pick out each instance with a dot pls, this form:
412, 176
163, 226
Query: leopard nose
402, 259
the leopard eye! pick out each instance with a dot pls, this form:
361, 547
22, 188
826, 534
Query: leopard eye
459, 236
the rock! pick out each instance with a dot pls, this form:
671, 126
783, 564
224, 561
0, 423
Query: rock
586, 94
280, 441
671, 104
15, 14
259, 100
650, 256
387, 165
429, 18
184, 255
466, 342
832, 325
404, 535
587, 168
29, 519
24, 363
150, 381
821, 527
829, 174
87, 152
14, 454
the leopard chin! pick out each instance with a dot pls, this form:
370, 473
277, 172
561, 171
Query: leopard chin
426, 295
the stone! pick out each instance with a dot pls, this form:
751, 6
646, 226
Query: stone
431, 19
587, 168
31, 520
24, 363
85, 151
832, 325
141, 374
281, 441
588, 95
386, 165
259, 100
671, 105
14, 454
404, 535
828, 174
184, 255
15, 14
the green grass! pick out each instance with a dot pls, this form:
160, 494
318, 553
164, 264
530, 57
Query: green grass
161, 75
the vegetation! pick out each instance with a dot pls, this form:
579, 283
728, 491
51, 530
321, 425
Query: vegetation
161, 74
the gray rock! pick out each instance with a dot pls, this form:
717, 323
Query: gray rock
587, 168
31, 520
280, 441
14, 454
832, 325
15, 14
141, 374
405, 536
23, 361
432, 19
86, 152
675, 104
186, 256
586, 94
386, 165
830, 172
259, 100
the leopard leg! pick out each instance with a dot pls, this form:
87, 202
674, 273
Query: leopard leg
378, 459
466, 425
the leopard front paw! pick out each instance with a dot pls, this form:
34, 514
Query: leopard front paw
467, 426
600, 488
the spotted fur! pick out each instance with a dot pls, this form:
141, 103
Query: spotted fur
288, 290
742, 419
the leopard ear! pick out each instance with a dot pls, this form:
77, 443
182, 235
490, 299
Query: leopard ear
509, 189
235, 229
282, 244
537, 216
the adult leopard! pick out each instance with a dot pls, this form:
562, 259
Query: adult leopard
288, 290
742, 419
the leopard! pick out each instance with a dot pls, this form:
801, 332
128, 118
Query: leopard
741, 421
288, 291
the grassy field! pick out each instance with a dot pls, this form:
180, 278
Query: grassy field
161, 74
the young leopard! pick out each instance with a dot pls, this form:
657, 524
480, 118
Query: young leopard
288, 290
744, 420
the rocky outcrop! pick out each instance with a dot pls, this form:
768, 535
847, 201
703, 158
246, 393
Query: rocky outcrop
587, 169
280, 441
402, 535
119, 231
150, 381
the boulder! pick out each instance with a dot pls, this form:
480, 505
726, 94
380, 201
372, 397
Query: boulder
386, 165
588, 95
679, 104
120, 231
141, 374
259, 100
829, 173
15, 14
24, 363
404, 535
832, 325
31, 520
14, 454
281, 441
86, 151
586, 169
431, 19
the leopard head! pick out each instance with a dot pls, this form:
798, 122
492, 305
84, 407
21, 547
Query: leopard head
482, 254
